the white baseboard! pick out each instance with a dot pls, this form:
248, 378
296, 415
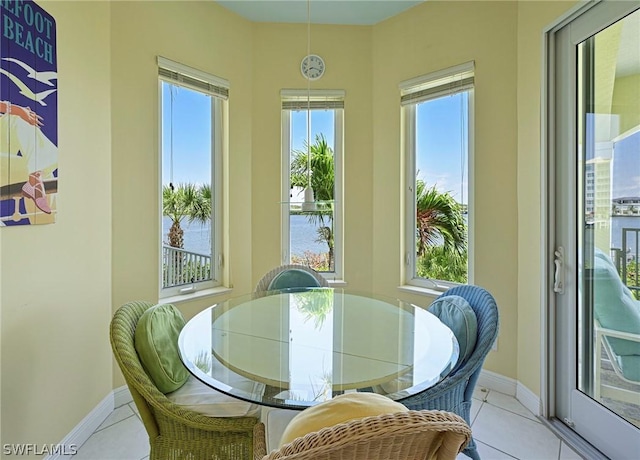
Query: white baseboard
497, 382
84, 429
121, 396
529, 399
511, 387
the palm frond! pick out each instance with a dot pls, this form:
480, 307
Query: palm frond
439, 220
188, 201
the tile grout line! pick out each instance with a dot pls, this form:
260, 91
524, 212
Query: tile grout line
495, 448
113, 424
135, 412
514, 413
477, 413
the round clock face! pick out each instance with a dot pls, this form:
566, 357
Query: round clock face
312, 67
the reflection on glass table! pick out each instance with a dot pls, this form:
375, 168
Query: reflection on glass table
296, 348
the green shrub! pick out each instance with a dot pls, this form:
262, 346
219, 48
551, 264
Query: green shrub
444, 264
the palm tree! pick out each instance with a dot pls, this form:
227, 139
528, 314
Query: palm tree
322, 177
439, 220
188, 201
316, 305
441, 234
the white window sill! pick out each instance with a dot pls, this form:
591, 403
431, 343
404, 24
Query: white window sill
211, 292
421, 290
337, 283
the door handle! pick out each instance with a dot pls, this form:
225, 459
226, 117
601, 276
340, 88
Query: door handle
558, 261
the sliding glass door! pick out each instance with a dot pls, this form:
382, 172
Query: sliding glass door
594, 212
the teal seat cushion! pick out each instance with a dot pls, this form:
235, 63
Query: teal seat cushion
456, 313
156, 342
293, 278
602, 260
630, 366
614, 308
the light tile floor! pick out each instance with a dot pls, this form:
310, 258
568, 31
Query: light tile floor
502, 427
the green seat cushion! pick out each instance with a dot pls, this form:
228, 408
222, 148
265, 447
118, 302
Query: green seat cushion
156, 341
293, 278
614, 308
456, 313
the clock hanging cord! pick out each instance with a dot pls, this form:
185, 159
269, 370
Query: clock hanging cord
308, 96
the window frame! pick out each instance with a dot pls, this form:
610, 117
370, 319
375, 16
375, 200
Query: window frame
414, 91
217, 88
333, 100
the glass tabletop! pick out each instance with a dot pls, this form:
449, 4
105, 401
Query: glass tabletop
295, 348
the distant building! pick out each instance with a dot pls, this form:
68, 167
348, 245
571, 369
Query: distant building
626, 206
598, 191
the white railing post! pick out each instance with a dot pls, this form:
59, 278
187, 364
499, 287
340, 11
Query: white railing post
178, 264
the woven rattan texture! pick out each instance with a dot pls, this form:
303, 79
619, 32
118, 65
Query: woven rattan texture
454, 393
263, 284
174, 432
413, 435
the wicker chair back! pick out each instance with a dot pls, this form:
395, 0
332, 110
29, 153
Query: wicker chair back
454, 393
265, 281
174, 432
412, 435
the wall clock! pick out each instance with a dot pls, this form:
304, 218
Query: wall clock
312, 67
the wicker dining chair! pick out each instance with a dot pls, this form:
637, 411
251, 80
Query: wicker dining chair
411, 435
301, 276
174, 432
454, 393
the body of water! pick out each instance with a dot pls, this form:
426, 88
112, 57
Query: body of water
303, 236
197, 237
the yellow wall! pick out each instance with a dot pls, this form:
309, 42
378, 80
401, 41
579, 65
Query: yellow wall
533, 17
215, 41
56, 279
278, 50
61, 282
626, 100
421, 41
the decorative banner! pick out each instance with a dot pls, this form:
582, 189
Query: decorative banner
28, 114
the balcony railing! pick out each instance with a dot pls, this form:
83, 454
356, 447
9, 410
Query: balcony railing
627, 260
630, 267
181, 267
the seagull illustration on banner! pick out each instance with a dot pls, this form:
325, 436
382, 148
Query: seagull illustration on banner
42, 77
25, 91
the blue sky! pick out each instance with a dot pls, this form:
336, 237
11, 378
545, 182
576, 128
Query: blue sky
626, 167
191, 136
321, 122
438, 140
442, 146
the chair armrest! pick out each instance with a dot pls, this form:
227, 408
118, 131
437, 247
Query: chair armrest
601, 331
259, 442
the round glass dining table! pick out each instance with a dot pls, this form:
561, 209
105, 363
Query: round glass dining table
296, 348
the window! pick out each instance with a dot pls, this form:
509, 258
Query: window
191, 138
312, 133
437, 112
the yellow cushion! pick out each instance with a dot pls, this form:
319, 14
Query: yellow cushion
342, 408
